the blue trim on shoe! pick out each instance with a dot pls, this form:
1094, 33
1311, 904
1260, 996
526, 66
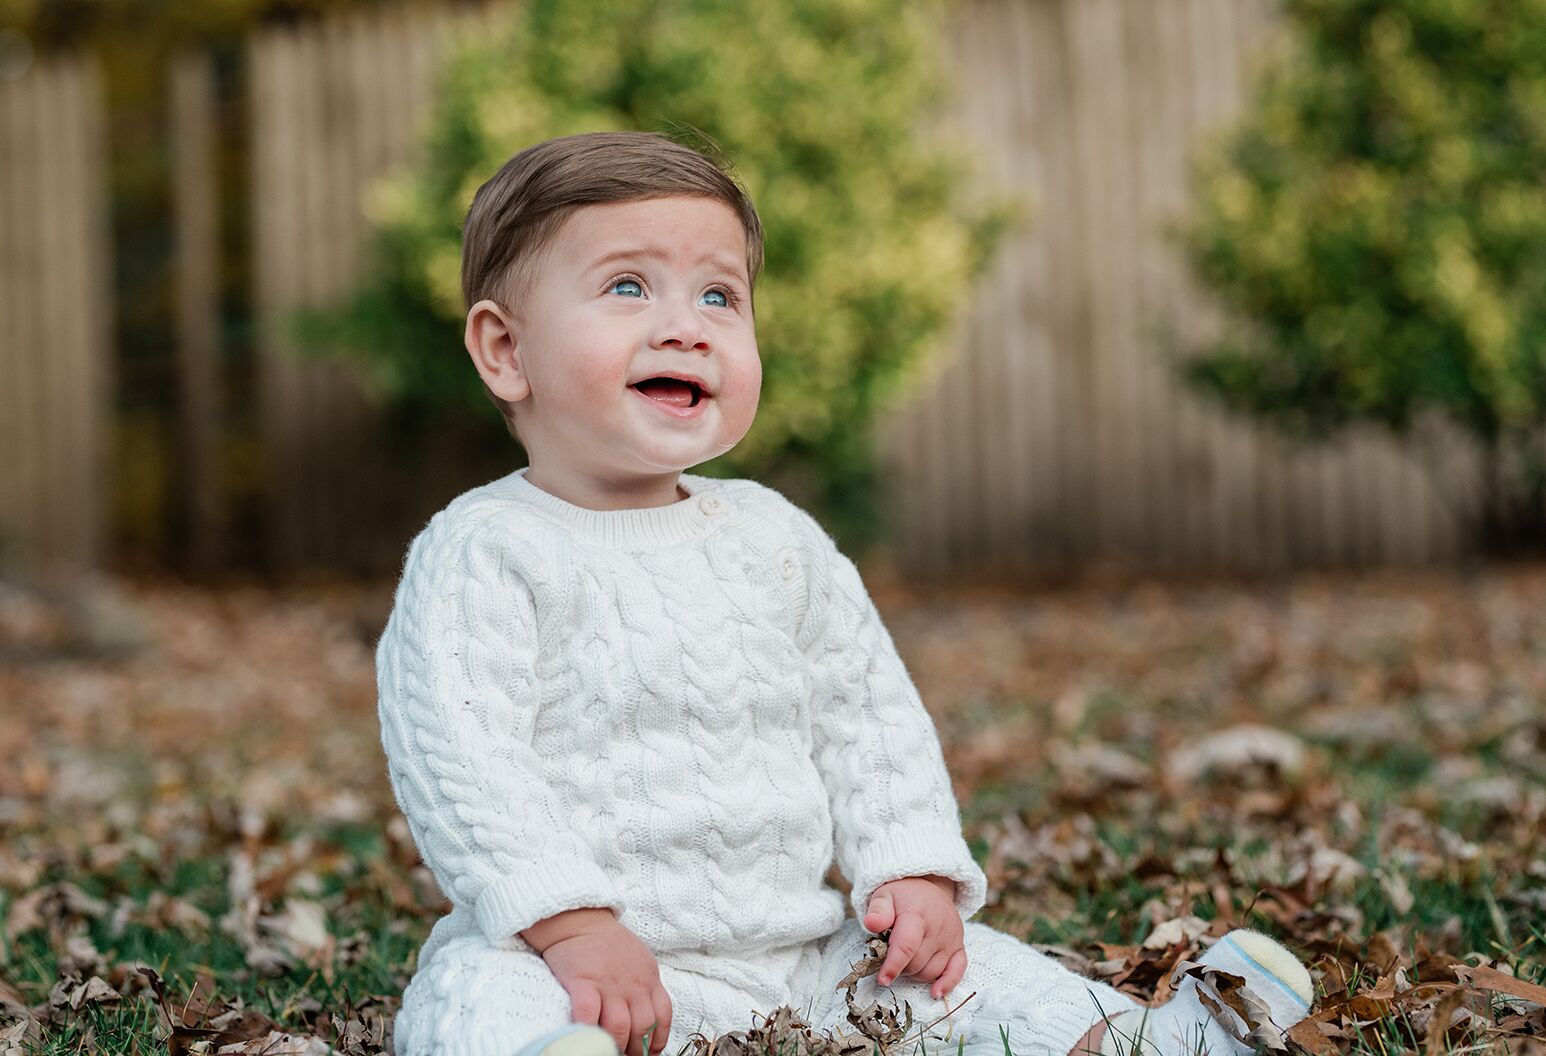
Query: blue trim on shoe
1269, 973
533, 1048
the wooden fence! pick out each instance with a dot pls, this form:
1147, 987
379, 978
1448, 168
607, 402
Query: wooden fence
56, 310
1054, 435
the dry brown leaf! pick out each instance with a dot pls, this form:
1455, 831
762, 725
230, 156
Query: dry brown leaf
1308, 1035
1500, 982
1238, 750
1437, 1041
277, 1043
1174, 932
13, 1007
54, 906
300, 929
22, 1038
783, 1031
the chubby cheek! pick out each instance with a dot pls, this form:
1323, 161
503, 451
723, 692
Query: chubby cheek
596, 385
740, 392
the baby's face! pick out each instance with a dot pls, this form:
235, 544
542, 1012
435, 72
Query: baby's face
630, 291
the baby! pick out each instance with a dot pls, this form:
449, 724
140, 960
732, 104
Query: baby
632, 715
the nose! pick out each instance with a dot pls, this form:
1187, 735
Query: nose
681, 327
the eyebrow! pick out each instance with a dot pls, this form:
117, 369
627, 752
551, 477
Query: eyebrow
654, 254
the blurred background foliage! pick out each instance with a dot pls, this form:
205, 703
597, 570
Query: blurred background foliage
870, 246
1376, 228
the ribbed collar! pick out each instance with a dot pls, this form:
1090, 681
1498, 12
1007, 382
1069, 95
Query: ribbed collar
701, 512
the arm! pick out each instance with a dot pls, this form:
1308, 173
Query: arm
457, 701
894, 812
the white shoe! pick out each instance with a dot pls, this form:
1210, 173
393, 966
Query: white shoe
1184, 1026
577, 1039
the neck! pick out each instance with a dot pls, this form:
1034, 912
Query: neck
631, 527
609, 493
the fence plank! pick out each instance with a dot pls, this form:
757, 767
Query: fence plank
12, 436
50, 273
1033, 387
1160, 97
196, 221
54, 307
97, 383
30, 356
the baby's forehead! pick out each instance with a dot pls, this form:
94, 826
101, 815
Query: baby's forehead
678, 230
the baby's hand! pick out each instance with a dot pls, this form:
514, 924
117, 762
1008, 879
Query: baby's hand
612, 978
926, 931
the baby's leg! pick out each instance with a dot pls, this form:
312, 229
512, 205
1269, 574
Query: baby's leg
474, 999
714, 996
1044, 1007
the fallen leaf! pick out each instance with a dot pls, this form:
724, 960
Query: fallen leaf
1171, 932
1500, 982
1237, 750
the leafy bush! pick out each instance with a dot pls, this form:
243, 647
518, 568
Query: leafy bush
817, 105
1376, 230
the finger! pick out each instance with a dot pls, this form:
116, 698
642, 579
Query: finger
642, 1012
944, 939
906, 937
881, 913
932, 970
953, 973
662, 1002
615, 1019
927, 948
585, 1003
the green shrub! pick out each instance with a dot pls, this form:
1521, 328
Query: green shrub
1376, 230
870, 250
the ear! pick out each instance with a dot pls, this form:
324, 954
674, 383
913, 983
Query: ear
492, 341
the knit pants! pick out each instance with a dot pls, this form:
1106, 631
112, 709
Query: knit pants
469, 998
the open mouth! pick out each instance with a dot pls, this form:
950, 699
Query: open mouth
672, 391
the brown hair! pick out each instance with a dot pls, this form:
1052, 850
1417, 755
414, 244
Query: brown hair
516, 214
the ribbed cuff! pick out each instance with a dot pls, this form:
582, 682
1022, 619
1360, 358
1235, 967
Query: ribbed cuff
516, 902
939, 851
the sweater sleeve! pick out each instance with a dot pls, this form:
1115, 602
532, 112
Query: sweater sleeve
457, 699
894, 812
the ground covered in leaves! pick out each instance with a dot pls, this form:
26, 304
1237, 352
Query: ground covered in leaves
199, 851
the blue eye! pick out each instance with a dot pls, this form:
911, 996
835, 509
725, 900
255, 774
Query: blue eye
724, 299
628, 282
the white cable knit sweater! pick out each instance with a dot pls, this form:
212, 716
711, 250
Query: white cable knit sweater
681, 712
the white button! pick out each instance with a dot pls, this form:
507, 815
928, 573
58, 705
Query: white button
790, 568
709, 504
